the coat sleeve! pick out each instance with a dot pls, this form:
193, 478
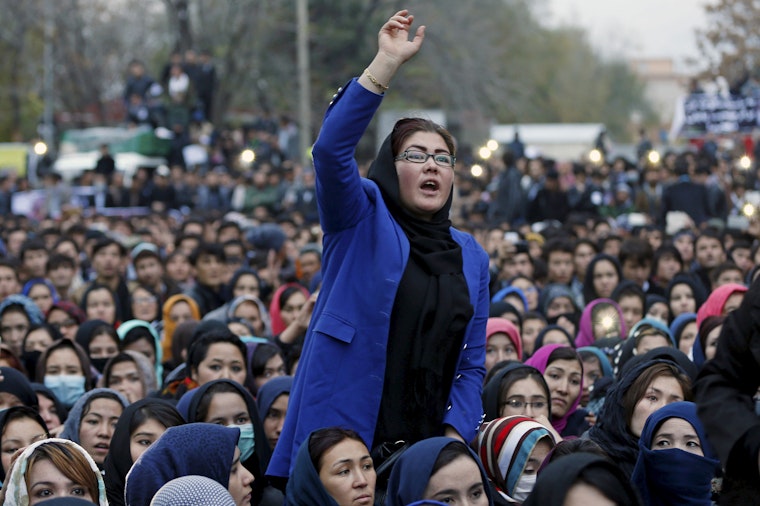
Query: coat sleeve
726, 384
464, 412
340, 197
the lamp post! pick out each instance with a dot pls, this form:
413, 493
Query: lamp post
304, 85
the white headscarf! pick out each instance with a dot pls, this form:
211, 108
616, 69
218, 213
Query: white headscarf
14, 489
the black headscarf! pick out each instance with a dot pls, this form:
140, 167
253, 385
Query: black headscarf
665, 353
84, 336
60, 409
556, 480
16, 383
256, 463
542, 335
611, 431
490, 396
119, 458
589, 292
428, 321
684, 278
121, 314
28, 413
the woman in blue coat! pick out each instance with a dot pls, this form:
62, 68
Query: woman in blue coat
396, 345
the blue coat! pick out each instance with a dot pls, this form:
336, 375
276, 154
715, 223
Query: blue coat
340, 375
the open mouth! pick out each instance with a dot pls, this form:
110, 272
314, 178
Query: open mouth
429, 186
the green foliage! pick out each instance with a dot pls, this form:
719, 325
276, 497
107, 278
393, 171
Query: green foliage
730, 44
491, 59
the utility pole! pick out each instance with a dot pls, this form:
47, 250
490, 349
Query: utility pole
304, 84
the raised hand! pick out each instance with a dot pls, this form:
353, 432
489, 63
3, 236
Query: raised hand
393, 39
394, 49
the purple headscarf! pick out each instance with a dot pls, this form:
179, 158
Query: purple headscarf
585, 336
540, 360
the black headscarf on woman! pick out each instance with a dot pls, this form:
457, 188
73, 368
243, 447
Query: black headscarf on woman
116, 301
84, 336
589, 292
665, 353
119, 459
490, 396
17, 384
611, 431
29, 412
428, 321
556, 480
256, 463
60, 409
684, 278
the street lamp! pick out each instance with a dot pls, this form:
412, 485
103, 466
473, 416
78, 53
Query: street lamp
247, 156
476, 170
40, 148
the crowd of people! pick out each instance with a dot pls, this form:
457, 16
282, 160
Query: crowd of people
338, 341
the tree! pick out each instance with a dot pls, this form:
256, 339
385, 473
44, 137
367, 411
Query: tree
731, 45
504, 67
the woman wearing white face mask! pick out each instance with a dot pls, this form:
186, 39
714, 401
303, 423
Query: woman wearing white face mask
65, 369
512, 450
226, 402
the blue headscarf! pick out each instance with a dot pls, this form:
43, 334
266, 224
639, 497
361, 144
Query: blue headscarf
674, 476
554, 291
304, 486
27, 305
40, 281
130, 325
202, 449
74, 421
603, 360
271, 390
680, 322
412, 472
655, 324
502, 294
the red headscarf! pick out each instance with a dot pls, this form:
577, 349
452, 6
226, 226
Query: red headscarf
715, 303
496, 325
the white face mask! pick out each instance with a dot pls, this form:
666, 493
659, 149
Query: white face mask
524, 487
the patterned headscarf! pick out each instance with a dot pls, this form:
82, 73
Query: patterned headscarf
16, 493
504, 446
192, 491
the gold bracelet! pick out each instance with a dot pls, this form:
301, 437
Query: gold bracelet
383, 88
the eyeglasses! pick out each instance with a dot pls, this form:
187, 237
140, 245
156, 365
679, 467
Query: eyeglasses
440, 159
144, 300
518, 404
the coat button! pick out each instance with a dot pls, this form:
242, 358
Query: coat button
448, 408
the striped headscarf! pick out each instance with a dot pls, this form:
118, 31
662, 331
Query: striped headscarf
504, 446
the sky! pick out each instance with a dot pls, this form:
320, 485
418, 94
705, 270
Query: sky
635, 28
